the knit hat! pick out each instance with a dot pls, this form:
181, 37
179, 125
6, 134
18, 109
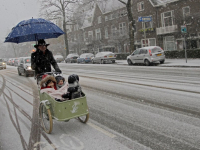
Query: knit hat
45, 79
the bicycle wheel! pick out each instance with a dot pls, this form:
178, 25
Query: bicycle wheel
46, 119
83, 119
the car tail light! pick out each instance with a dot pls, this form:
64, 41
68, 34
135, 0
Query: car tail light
150, 53
162, 49
115, 55
105, 56
86, 58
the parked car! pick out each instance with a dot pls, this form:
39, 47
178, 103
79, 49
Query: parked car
24, 66
58, 58
2, 64
147, 56
85, 58
16, 62
104, 57
71, 58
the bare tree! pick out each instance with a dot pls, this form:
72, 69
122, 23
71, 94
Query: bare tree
58, 9
131, 23
119, 39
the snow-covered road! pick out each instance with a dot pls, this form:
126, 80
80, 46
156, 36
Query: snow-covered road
131, 107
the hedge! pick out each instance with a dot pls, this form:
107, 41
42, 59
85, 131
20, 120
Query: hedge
192, 53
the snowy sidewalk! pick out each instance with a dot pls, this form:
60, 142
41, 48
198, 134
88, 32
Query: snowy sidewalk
172, 63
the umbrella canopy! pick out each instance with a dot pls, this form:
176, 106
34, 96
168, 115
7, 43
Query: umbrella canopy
33, 30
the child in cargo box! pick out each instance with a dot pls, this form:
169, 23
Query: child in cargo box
48, 85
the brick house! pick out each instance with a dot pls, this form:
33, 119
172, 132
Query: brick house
105, 26
167, 18
103, 29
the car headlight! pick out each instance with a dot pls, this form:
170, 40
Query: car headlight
4, 63
29, 68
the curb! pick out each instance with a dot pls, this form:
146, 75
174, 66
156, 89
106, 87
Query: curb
181, 66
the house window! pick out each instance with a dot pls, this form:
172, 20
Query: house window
167, 18
122, 28
106, 18
98, 34
140, 6
152, 42
147, 24
111, 16
169, 43
113, 30
99, 19
85, 36
149, 42
90, 36
186, 11
144, 44
116, 15
106, 32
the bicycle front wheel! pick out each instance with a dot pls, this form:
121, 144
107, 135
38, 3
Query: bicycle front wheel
46, 119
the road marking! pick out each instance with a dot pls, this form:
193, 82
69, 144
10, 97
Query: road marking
101, 130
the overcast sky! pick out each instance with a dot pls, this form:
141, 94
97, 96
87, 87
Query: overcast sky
14, 11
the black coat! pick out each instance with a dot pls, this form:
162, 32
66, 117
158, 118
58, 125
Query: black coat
42, 62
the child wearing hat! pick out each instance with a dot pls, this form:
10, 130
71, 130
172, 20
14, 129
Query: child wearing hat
48, 85
60, 81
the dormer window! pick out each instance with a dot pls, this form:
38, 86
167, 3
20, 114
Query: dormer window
140, 6
186, 11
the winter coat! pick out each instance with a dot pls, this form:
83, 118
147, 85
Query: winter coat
42, 62
56, 93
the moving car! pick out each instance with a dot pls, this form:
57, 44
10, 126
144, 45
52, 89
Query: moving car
16, 62
85, 58
58, 58
24, 67
2, 64
147, 56
71, 58
9, 62
104, 57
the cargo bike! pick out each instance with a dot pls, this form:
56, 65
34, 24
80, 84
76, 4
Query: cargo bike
61, 111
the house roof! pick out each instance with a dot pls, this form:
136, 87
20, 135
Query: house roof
88, 18
104, 6
157, 3
110, 5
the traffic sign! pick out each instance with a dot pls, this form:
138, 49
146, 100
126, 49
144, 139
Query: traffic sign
144, 19
183, 29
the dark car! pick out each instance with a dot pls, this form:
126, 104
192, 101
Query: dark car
71, 58
24, 66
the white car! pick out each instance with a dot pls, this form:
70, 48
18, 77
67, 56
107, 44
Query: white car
71, 58
147, 56
104, 57
2, 64
58, 58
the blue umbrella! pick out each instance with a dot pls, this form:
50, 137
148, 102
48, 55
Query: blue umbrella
33, 30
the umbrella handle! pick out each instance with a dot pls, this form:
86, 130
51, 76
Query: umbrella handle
36, 38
